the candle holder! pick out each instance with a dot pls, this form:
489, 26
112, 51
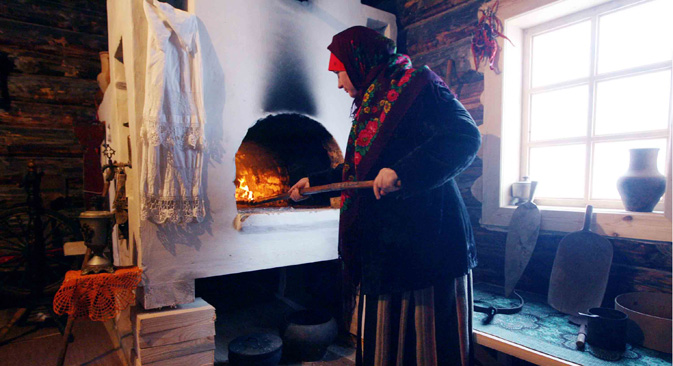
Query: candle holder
96, 228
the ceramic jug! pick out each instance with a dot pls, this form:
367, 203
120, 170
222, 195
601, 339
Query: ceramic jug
642, 186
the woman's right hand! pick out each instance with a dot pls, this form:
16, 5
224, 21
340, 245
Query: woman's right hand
294, 191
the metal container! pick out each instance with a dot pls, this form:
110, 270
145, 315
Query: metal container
649, 322
96, 229
258, 349
520, 191
606, 328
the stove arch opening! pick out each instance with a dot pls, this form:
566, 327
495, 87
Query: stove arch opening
278, 151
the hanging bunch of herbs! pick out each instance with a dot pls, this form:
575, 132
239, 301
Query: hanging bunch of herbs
484, 40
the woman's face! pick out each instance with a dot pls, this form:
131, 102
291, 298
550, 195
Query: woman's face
346, 84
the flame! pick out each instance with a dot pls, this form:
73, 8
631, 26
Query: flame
244, 193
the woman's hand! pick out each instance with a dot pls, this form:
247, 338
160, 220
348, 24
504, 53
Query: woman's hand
294, 191
386, 182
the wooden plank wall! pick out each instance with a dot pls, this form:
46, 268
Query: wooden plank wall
54, 47
438, 32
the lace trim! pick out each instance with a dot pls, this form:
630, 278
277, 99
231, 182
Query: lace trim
179, 131
172, 209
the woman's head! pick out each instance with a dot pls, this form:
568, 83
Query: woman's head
363, 53
344, 82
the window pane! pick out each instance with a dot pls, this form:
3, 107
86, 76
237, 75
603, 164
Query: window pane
561, 55
635, 36
559, 113
559, 170
632, 104
611, 160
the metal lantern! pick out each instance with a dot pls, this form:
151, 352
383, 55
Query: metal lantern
96, 229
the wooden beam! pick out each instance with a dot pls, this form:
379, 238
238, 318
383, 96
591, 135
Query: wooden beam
42, 115
151, 321
88, 6
442, 30
29, 61
55, 15
32, 136
50, 40
52, 89
200, 359
42, 150
177, 335
166, 353
411, 11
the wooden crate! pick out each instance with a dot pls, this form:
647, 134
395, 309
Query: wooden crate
184, 335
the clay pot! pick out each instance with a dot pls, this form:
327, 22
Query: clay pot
642, 186
104, 77
307, 334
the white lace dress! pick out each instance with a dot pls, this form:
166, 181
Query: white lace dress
173, 118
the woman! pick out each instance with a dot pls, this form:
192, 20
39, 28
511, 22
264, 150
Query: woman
407, 244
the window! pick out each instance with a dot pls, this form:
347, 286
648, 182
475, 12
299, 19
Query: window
595, 84
583, 82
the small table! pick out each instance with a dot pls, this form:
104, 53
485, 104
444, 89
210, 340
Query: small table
100, 297
544, 336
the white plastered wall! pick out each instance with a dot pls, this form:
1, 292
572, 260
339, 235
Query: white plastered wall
243, 45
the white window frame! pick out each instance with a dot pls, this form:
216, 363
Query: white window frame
501, 150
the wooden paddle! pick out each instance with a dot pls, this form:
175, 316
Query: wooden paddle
522, 234
319, 189
580, 272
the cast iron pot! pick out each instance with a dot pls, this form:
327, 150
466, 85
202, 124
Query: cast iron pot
307, 334
259, 349
606, 329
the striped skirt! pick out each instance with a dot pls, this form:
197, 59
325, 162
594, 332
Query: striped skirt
427, 327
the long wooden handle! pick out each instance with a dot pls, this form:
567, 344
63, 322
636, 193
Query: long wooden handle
336, 187
581, 337
587, 218
319, 189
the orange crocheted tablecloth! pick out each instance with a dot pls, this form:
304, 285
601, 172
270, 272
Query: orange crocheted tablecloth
100, 296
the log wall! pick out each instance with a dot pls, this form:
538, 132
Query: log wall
438, 33
53, 46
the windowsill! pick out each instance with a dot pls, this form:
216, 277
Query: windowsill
647, 226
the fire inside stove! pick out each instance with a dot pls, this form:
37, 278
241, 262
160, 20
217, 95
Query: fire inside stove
278, 151
259, 175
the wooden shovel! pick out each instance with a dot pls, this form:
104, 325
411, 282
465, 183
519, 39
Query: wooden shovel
319, 189
580, 272
522, 234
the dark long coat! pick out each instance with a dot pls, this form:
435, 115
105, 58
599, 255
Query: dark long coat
421, 234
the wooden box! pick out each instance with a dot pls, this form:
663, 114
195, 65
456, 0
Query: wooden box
184, 335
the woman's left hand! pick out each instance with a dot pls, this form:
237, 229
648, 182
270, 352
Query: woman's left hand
386, 182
